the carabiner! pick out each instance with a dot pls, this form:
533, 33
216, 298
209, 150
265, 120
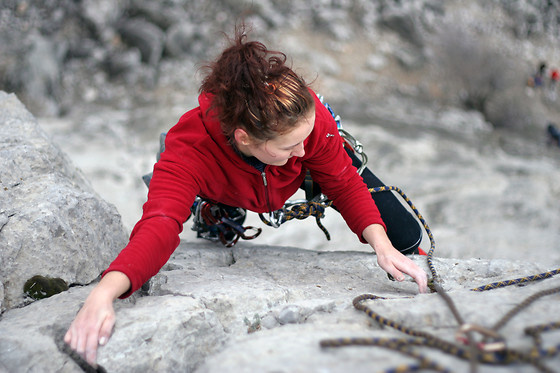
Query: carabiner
497, 343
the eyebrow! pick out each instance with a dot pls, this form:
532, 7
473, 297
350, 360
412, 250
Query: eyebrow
291, 146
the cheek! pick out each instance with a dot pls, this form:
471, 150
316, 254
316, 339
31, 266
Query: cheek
275, 153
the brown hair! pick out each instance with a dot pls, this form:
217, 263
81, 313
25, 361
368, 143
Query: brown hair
255, 90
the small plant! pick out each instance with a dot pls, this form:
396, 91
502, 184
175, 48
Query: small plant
40, 287
253, 326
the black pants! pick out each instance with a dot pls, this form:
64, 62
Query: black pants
403, 229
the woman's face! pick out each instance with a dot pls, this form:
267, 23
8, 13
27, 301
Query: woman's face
277, 151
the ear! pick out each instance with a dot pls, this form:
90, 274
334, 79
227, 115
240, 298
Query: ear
241, 137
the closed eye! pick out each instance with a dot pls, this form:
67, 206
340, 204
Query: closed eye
291, 147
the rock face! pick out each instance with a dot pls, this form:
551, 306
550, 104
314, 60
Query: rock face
51, 222
266, 309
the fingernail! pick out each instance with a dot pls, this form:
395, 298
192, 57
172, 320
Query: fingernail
400, 278
102, 341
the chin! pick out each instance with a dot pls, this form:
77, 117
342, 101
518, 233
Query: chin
277, 162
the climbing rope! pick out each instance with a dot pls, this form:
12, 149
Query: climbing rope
430, 253
498, 356
517, 281
492, 349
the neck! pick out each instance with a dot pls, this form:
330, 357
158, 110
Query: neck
243, 149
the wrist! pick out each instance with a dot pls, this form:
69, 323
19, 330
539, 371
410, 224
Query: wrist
111, 286
376, 236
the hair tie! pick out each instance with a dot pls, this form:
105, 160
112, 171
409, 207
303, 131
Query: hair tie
271, 87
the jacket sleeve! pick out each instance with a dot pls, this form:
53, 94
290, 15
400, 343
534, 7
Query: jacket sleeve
339, 180
155, 237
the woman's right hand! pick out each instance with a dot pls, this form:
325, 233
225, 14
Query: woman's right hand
95, 320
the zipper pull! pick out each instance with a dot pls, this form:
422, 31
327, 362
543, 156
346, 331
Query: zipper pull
263, 174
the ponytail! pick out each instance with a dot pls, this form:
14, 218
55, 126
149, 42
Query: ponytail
254, 89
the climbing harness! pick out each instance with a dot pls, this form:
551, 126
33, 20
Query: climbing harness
490, 348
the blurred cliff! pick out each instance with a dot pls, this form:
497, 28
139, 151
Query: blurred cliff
60, 55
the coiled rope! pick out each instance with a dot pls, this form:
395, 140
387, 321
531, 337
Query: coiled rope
299, 210
491, 350
501, 356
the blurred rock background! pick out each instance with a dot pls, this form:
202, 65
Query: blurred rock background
436, 90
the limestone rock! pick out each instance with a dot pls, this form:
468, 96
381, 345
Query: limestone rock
51, 222
264, 308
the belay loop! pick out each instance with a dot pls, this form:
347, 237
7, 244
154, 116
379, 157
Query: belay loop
218, 222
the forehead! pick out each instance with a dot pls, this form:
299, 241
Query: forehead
299, 133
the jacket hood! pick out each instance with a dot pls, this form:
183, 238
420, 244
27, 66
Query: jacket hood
214, 129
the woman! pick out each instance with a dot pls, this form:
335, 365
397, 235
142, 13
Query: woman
257, 131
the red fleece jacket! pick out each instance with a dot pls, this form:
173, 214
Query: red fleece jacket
198, 160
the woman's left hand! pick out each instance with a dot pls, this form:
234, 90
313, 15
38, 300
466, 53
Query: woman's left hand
391, 260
